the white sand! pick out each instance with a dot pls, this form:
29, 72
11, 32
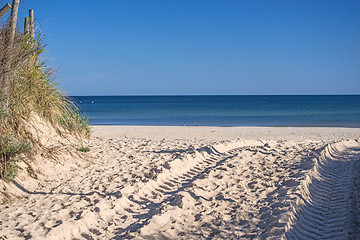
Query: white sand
196, 183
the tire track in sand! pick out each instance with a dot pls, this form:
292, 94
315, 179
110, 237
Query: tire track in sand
155, 194
325, 207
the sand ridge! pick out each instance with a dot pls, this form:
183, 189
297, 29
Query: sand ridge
325, 209
181, 187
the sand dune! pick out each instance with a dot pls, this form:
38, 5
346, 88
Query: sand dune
176, 186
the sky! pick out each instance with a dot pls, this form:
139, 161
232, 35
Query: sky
201, 47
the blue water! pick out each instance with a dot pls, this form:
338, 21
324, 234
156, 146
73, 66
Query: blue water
281, 110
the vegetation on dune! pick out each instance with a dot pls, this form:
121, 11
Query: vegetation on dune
84, 149
28, 89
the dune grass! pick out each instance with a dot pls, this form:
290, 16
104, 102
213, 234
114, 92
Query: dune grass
28, 88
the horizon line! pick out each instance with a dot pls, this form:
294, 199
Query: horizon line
179, 95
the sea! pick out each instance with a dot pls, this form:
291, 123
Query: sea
216, 110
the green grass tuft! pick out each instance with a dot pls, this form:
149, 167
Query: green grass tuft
10, 147
84, 149
10, 172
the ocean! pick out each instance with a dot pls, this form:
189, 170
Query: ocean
296, 111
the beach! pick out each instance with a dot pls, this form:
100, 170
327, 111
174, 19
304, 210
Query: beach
178, 182
179, 120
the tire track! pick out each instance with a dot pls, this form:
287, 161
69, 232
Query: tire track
324, 208
154, 195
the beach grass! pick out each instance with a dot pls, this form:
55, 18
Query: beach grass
84, 149
28, 89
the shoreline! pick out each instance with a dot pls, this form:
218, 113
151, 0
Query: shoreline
208, 126
231, 126
227, 133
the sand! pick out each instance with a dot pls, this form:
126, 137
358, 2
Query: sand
195, 183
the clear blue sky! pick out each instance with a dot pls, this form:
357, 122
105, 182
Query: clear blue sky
135, 47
